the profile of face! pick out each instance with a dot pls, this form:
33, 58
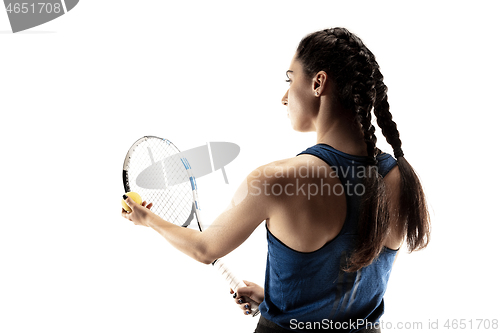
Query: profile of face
301, 100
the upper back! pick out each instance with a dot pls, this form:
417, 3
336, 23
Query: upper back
319, 191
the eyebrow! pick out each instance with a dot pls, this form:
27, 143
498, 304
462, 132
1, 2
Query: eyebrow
288, 71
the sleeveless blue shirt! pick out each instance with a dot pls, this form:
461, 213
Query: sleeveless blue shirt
310, 290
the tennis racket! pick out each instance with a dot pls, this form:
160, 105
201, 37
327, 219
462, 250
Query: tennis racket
156, 169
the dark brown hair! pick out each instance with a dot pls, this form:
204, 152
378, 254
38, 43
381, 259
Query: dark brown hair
361, 89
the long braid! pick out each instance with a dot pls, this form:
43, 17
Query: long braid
384, 116
413, 206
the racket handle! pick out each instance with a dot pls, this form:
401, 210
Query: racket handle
234, 283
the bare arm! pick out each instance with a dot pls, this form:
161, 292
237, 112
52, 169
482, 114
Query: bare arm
229, 230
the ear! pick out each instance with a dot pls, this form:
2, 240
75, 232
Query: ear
319, 83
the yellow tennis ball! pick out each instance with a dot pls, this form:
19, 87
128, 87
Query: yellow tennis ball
134, 196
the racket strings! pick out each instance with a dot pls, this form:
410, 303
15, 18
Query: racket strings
172, 195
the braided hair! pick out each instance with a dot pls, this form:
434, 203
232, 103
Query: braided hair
360, 89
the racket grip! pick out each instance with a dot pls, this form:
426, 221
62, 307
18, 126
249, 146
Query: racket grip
234, 283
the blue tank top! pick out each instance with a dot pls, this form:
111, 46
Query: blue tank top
311, 287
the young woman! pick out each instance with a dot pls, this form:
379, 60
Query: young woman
336, 214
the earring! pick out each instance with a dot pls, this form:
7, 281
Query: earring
316, 93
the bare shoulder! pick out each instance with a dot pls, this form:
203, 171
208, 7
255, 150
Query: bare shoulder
293, 179
393, 183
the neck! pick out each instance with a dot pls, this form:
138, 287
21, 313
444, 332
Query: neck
339, 131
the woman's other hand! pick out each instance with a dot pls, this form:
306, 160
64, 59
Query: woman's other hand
252, 291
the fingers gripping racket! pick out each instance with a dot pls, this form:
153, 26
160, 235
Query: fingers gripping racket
156, 169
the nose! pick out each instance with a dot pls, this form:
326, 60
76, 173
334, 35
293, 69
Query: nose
284, 100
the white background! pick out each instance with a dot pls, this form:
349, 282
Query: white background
76, 92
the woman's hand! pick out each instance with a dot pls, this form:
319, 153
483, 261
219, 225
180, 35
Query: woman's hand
252, 291
139, 214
